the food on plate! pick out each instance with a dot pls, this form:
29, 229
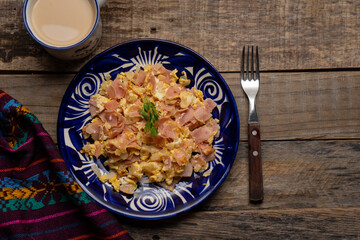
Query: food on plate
146, 122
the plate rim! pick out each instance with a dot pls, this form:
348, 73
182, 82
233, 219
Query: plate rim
123, 212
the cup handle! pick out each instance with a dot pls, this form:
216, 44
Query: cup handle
101, 2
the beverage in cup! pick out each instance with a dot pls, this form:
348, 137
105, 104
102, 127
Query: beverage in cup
67, 29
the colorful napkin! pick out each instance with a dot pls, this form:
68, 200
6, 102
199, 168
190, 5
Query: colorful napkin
39, 199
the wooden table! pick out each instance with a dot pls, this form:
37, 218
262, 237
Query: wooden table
309, 106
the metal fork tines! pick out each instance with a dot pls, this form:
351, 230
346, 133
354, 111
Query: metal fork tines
251, 88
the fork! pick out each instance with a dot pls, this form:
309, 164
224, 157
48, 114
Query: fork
251, 88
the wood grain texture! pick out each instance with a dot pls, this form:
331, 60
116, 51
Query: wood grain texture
330, 223
308, 105
291, 34
310, 120
296, 175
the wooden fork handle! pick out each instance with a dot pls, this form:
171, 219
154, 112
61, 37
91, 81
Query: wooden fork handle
256, 191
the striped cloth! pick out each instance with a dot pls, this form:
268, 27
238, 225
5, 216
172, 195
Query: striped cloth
38, 196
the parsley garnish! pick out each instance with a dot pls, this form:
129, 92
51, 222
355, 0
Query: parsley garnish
151, 115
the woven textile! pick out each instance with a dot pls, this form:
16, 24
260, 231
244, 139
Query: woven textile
38, 196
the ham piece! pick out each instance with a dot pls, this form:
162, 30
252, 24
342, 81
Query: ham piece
187, 171
134, 109
111, 117
174, 91
206, 148
205, 132
93, 129
111, 105
92, 107
203, 113
140, 78
187, 117
117, 89
166, 128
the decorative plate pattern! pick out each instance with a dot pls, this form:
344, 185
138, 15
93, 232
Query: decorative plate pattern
150, 201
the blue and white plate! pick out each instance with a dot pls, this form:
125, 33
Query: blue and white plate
150, 201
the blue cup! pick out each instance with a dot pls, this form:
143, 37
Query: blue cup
75, 51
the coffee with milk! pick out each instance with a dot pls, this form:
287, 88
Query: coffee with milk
62, 23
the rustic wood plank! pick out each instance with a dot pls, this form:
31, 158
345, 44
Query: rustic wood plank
329, 223
291, 34
307, 105
297, 174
